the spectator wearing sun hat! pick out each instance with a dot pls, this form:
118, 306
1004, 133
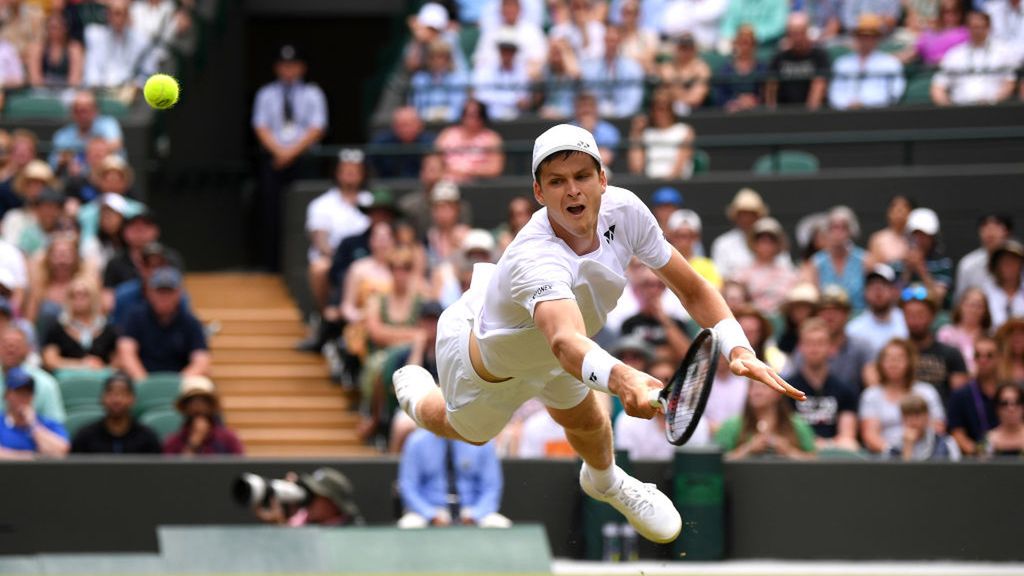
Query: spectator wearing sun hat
1004, 288
203, 431
768, 280
731, 251
867, 77
446, 232
30, 182
430, 24
925, 261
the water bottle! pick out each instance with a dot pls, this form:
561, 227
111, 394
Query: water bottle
612, 546
630, 551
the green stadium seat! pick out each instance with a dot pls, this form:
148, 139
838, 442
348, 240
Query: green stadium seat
82, 373
701, 161
81, 416
28, 105
919, 88
163, 421
837, 50
157, 391
81, 390
714, 60
468, 37
787, 162
111, 107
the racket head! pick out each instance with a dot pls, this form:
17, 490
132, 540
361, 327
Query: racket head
686, 395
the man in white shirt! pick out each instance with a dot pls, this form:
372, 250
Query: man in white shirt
979, 71
117, 54
524, 327
882, 320
504, 85
731, 251
533, 45
1007, 17
701, 18
867, 77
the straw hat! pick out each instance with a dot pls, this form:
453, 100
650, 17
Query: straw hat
747, 200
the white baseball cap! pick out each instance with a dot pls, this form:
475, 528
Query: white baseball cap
684, 219
478, 239
433, 15
561, 138
924, 220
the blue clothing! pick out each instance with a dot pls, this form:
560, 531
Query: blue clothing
651, 12
164, 348
470, 10
851, 278
423, 475
399, 165
729, 83
619, 88
560, 93
68, 137
439, 97
971, 409
853, 9
129, 295
605, 134
89, 215
20, 438
308, 107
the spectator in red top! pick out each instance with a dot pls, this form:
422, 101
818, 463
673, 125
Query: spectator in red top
470, 148
204, 431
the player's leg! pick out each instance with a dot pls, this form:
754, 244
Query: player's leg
423, 401
589, 431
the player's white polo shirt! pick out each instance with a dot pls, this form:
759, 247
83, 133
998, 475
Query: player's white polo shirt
539, 266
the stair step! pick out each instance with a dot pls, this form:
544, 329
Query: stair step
282, 314
312, 451
289, 357
261, 371
284, 403
265, 328
247, 387
284, 436
252, 342
310, 418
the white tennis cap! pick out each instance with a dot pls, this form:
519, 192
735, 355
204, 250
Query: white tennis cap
561, 138
924, 220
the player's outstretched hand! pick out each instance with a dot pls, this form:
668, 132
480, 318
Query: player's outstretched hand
745, 364
633, 389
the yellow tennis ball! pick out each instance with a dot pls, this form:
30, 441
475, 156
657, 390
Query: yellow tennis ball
161, 91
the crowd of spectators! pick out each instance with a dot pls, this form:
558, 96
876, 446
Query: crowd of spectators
535, 56
90, 300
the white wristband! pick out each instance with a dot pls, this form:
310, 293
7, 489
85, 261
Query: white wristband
730, 333
597, 369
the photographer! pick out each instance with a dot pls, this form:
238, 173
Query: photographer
330, 502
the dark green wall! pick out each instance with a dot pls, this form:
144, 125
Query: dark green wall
841, 510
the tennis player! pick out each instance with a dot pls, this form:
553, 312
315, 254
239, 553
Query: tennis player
523, 328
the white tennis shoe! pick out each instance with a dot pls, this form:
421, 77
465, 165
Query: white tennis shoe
412, 383
649, 511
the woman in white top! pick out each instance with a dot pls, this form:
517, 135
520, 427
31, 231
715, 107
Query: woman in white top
1004, 287
666, 149
880, 416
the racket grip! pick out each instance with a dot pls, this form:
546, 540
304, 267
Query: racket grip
654, 397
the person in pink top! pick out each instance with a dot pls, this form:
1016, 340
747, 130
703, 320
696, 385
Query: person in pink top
470, 148
768, 280
947, 32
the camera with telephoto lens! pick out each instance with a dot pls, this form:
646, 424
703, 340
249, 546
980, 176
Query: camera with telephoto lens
252, 490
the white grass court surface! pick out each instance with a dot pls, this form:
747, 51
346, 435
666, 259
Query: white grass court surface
783, 568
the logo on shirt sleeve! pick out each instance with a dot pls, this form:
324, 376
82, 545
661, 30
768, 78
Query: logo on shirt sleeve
609, 234
541, 291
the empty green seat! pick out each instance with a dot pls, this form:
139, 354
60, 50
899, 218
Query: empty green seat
163, 421
81, 391
81, 416
787, 162
28, 105
919, 88
157, 391
701, 161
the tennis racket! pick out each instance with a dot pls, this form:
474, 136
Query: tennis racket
684, 397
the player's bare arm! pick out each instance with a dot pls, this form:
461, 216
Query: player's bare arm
562, 324
708, 309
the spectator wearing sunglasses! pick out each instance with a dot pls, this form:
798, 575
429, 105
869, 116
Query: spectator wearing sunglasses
939, 364
972, 409
1007, 438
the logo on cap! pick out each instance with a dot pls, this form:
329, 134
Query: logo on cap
583, 144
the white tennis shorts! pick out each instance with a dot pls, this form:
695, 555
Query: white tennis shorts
477, 409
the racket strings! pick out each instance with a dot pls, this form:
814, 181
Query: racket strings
683, 406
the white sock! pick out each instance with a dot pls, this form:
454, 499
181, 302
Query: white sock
604, 480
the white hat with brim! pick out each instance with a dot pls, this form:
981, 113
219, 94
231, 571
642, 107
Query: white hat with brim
923, 220
562, 138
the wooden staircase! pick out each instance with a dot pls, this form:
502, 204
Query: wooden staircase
280, 401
